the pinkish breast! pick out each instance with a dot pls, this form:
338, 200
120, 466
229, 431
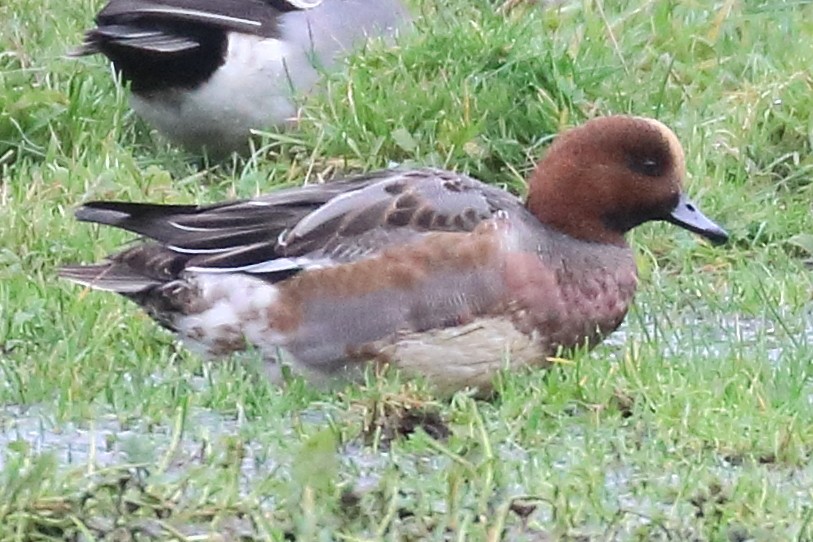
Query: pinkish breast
572, 299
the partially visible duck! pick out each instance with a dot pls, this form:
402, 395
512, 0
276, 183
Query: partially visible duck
206, 72
427, 270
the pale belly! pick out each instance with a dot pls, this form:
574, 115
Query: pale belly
470, 355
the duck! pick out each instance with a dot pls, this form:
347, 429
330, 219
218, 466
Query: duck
429, 271
205, 73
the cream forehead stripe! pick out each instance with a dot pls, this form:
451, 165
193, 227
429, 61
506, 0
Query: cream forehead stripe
674, 145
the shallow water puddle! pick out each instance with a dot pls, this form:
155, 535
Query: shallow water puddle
701, 331
106, 441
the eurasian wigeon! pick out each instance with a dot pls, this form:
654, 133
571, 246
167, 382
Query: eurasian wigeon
206, 72
429, 271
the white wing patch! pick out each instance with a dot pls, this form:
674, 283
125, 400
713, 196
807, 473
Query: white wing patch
271, 266
202, 15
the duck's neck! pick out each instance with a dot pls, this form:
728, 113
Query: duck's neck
576, 216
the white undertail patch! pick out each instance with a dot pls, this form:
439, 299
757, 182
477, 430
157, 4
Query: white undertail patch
234, 310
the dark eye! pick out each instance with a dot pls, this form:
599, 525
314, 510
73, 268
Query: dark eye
647, 166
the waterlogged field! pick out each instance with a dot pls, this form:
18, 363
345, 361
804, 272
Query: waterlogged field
693, 422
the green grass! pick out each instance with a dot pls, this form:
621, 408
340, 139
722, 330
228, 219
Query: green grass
694, 422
